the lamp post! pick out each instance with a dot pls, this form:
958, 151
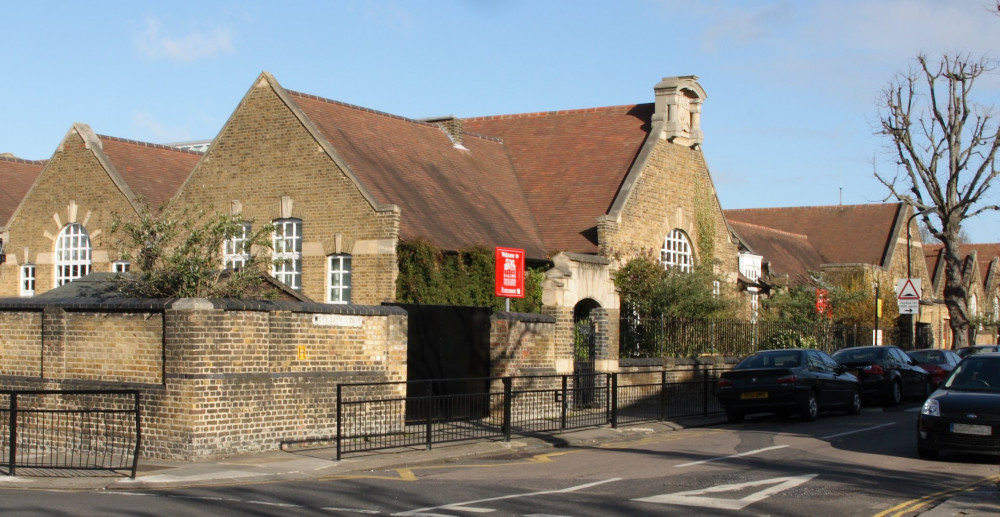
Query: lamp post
909, 270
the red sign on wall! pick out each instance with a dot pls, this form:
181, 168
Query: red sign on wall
509, 273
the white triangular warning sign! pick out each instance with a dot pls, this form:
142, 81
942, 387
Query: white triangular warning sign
908, 289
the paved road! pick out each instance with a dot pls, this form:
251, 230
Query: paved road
862, 465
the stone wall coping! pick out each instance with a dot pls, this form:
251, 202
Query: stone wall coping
527, 317
159, 304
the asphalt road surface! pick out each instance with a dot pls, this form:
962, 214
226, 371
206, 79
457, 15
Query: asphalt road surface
864, 465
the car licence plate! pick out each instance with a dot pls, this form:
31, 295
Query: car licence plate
978, 430
753, 395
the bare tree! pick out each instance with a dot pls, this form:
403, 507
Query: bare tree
946, 146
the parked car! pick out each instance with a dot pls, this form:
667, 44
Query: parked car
885, 372
977, 349
937, 362
799, 381
964, 413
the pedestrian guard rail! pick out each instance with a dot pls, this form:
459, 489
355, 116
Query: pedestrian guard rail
70, 430
373, 416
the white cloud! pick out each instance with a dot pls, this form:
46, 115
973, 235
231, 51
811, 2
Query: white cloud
154, 45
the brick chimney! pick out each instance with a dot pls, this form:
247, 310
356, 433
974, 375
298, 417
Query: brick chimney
677, 112
452, 126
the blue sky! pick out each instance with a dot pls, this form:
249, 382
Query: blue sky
792, 85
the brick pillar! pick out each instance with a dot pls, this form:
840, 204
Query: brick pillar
53, 343
563, 337
606, 336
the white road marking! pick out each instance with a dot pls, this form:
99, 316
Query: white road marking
838, 435
720, 458
695, 497
462, 505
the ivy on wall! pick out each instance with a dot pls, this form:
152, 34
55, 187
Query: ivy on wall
428, 275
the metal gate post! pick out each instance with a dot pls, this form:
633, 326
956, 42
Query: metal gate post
429, 435
507, 404
704, 402
565, 404
138, 434
663, 396
613, 377
340, 416
13, 434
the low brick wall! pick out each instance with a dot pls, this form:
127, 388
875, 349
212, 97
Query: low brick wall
217, 377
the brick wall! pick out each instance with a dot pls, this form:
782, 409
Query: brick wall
217, 379
263, 155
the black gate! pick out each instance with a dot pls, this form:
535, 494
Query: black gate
446, 342
584, 350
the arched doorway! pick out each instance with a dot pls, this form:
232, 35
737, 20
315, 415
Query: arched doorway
584, 353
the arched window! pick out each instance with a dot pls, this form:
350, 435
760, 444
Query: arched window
287, 240
996, 308
73, 253
676, 251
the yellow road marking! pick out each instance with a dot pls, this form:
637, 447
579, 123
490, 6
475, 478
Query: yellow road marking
407, 474
933, 499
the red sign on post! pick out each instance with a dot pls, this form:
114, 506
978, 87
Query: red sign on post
509, 273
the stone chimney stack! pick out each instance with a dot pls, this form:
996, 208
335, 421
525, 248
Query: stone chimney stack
677, 112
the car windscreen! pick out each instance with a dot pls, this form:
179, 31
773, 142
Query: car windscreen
974, 373
859, 356
775, 359
927, 357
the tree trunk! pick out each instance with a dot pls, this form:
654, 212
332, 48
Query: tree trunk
955, 294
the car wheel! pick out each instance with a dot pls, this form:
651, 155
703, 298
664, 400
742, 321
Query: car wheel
855, 406
810, 409
927, 454
895, 394
734, 417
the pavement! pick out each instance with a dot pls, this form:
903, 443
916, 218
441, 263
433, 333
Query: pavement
315, 463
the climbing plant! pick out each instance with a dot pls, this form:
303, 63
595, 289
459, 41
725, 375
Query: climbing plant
429, 275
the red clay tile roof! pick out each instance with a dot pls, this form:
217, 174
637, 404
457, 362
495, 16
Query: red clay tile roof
571, 165
512, 184
16, 178
155, 172
842, 234
788, 253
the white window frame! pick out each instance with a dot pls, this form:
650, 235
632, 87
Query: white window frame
27, 280
237, 253
676, 251
287, 255
121, 266
73, 254
338, 279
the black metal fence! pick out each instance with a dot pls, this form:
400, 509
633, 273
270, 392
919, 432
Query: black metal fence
70, 430
372, 416
665, 336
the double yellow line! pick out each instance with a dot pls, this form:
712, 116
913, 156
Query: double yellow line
932, 499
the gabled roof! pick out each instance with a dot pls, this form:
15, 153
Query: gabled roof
983, 254
16, 178
154, 172
454, 196
841, 234
571, 164
789, 254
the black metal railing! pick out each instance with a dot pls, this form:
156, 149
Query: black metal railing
70, 429
664, 336
373, 416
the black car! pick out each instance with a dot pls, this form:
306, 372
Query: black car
964, 413
886, 373
977, 349
802, 381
